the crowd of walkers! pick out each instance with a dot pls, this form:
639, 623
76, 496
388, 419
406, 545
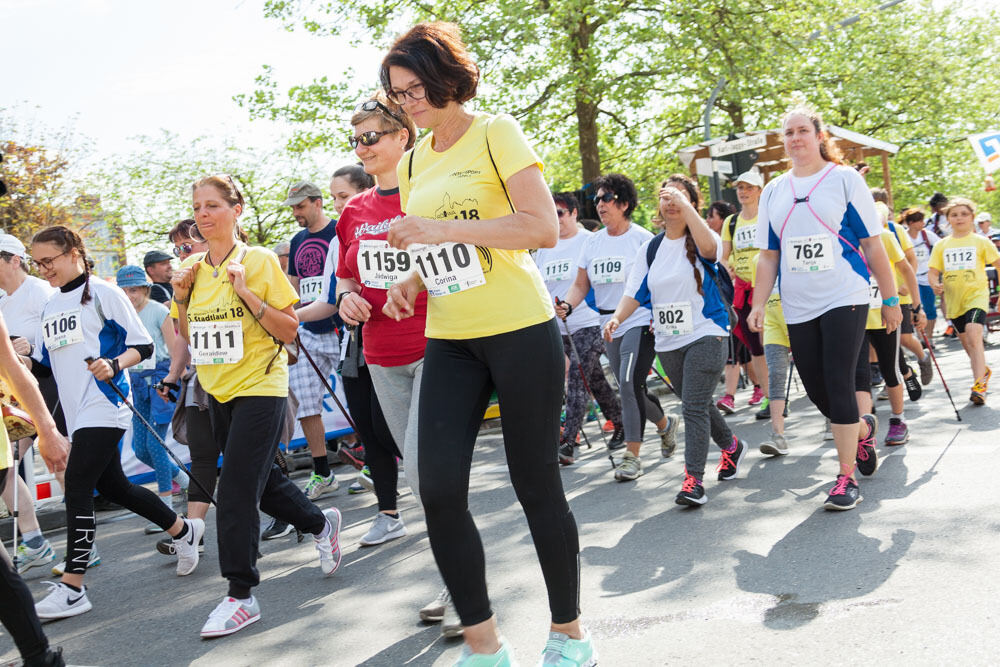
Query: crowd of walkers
451, 275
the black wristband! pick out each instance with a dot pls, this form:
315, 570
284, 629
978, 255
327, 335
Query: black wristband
340, 297
115, 368
569, 308
916, 308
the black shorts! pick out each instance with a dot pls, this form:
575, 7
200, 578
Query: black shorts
973, 316
907, 325
737, 352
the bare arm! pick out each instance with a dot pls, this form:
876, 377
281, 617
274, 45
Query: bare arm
626, 306
579, 289
767, 273
878, 263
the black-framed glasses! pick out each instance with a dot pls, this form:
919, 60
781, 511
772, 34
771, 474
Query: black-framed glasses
47, 262
369, 138
607, 198
185, 248
373, 105
414, 92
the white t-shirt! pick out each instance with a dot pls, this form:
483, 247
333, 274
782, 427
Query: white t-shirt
608, 261
70, 333
818, 270
558, 268
22, 310
680, 315
922, 249
330, 271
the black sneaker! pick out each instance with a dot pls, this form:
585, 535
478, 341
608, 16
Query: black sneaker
877, 378
867, 458
566, 452
278, 529
764, 412
692, 493
166, 546
913, 387
729, 462
844, 495
617, 438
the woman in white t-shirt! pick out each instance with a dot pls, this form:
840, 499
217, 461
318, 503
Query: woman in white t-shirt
819, 236
923, 242
674, 276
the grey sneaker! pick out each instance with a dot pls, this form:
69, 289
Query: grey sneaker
668, 437
27, 558
926, 369
629, 469
384, 528
319, 485
433, 611
776, 446
828, 431
451, 625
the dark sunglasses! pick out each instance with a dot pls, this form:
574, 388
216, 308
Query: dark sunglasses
607, 197
185, 248
373, 105
369, 138
561, 212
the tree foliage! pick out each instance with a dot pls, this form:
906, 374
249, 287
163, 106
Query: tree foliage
36, 184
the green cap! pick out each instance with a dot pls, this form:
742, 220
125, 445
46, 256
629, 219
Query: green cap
300, 191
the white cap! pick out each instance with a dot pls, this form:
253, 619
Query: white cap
751, 177
984, 217
12, 245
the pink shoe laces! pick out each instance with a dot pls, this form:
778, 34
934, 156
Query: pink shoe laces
689, 483
840, 488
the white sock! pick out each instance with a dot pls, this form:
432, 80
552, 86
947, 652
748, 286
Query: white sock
182, 479
899, 416
168, 501
325, 532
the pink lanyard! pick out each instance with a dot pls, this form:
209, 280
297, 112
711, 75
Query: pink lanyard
805, 200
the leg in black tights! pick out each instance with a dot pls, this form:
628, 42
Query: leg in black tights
380, 448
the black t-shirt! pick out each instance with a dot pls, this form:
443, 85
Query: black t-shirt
306, 258
161, 292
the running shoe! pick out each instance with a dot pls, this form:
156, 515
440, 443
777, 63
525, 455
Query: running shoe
566, 451
152, 529
608, 426
629, 469
926, 366
504, 657
867, 458
898, 432
329, 546
877, 378
166, 546
828, 431
356, 487
319, 485
352, 456
27, 558
949, 332
978, 395
617, 438
278, 528
913, 388
727, 404
729, 462
668, 437
433, 611
451, 624
776, 446
365, 478
384, 528
231, 616
94, 560
758, 395
561, 651
884, 394
765, 410
692, 492
844, 495
186, 547
62, 602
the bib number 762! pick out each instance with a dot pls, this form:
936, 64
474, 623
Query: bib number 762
808, 254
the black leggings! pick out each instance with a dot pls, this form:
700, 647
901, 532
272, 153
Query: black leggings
380, 447
95, 462
826, 351
525, 367
890, 357
204, 453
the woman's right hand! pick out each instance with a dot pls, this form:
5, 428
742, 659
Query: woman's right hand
400, 300
183, 281
354, 309
756, 319
938, 288
562, 309
610, 327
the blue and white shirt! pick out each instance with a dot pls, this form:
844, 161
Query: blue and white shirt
608, 261
558, 268
818, 270
667, 287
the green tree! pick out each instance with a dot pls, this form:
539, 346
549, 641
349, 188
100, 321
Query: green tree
36, 183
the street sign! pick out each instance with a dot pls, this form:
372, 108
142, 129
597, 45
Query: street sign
746, 143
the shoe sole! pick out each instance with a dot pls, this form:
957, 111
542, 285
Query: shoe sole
840, 508
286, 531
69, 613
977, 400
56, 572
313, 495
626, 478
222, 633
691, 502
431, 616
725, 408
771, 450
36, 562
452, 631
394, 535
897, 443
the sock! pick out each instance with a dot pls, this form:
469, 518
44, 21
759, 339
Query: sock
895, 419
732, 447
73, 588
168, 501
182, 478
325, 532
394, 515
247, 601
33, 539
184, 531
321, 466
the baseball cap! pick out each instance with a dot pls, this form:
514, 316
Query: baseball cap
982, 217
154, 256
131, 275
300, 191
751, 177
12, 245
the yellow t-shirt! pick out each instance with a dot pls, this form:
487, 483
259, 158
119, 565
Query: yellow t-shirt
775, 328
905, 244
6, 454
743, 258
895, 253
214, 300
462, 184
962, 264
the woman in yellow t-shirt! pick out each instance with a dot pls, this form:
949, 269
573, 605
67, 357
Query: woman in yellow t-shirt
475, 201
234, 305
957, 271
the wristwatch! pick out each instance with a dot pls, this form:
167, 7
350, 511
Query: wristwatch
891, 301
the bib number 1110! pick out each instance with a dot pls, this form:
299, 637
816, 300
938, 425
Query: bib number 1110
447, 268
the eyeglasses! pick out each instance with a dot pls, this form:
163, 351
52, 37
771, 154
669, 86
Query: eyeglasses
369, 138
184, 248
607, 198
373, 105
47, 262
414, 92
561, 212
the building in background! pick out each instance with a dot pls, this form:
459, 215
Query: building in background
102, 233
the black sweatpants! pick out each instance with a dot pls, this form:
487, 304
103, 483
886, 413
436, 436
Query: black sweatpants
525, 367
246, 431
380, 447
204, 453
95, 463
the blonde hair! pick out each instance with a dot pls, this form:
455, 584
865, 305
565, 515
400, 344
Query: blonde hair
827, 148
225, 186
960, 201
388, 122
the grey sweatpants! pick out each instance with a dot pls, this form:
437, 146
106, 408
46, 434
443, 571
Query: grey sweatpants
694, 371
631, 357
776, 357
398, 391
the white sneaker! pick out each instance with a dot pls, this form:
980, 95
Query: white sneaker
93, 561
230, 616
318, 485
384, 528
186, 547
776, 446
451, 624
828, 431
433, 611
62, 602
329, 546
27, 558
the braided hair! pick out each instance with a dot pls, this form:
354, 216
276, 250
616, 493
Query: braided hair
66, 240
690, 188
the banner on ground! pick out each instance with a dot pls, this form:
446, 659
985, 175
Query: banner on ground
987, 148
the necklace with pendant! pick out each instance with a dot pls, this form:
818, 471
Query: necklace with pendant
215, 267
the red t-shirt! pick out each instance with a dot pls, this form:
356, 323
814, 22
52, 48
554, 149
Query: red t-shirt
367, 216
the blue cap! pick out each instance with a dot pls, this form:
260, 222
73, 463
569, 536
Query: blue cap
132, 276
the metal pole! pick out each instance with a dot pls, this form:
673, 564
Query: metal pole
714, 187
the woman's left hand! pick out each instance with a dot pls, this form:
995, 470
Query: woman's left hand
237, 276
412, 229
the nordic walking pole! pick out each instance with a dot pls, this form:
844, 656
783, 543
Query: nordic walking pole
788, 387
579, 366
156, 436
940, 374
17, 478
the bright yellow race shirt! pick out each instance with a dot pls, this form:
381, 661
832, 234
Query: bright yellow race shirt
745, 249
905, 244
6, 457
462, 183
962, 264
895, 253
213, 300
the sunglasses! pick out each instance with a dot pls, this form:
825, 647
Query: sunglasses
375, 105
185, 248
561, 212
47, 262
369, 138
607, 198
414, 92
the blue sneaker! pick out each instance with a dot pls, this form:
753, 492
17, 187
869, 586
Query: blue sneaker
502, 658
561, 651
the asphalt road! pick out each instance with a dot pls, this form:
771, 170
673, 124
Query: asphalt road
759, 575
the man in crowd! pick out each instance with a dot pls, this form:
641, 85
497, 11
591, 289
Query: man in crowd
157, 265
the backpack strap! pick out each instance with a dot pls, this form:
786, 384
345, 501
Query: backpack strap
732, 226
923, 235
493, 162
651, 249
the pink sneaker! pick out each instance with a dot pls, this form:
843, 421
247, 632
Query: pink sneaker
758, 395
727, 404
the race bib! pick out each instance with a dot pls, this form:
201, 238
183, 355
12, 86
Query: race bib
447, 268
380, 265
746, 237
557, 271
960, 259
605, 270
809, 254
216, 342
673, 319
922, 253
62, 329
310, 289
874, 295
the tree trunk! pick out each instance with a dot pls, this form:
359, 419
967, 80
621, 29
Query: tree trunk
590, 153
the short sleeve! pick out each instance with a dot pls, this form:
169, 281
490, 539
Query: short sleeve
764, 221
726, 225
509, 147
293, 245
343, 244
892, 248
583, 259
116, 307
991, 252
936, 261
860, 198
637, 276
174, 313
403, 173
267, 279
904, 239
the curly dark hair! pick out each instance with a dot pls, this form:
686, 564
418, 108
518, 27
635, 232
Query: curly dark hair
623, 188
